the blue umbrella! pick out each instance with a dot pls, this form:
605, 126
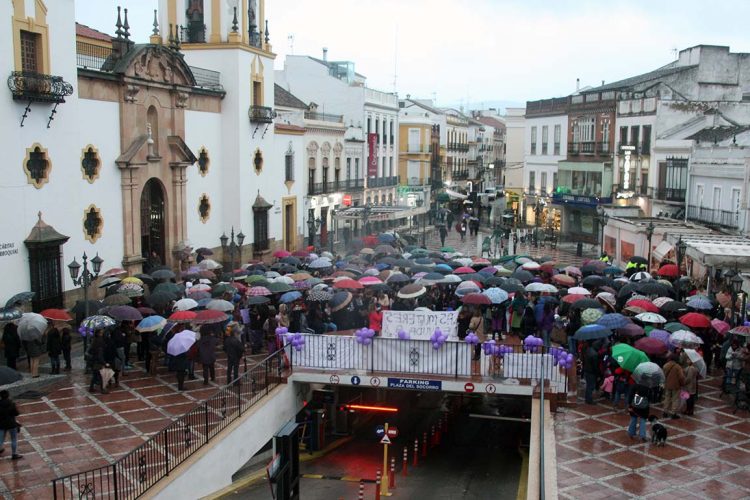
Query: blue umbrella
613, 270
592, 332
613, 321
700, 303
151, 324
386, 238
320, 264
290, 297
496, 295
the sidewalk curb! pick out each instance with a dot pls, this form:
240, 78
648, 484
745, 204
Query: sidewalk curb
256, 476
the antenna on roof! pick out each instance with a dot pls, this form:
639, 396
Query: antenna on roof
290, 39
675, 52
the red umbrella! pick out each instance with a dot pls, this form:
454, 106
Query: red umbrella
651, 346
348, 284
280, 254
669, 271
209, 316
115, 271
182, 316
573, 298
300, 253
695, 320
464, 270
644, 304
563, 279
56, 315
478, 299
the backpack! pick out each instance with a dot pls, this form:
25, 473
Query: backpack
640, 402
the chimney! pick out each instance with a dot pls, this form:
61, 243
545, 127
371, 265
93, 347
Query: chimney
325, 54
578, 84
602, 83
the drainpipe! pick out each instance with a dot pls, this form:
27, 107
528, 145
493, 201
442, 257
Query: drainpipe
687, 187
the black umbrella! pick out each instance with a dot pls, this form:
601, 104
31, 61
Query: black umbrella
512, 287
652, 288
163, 274
593, 267
627, 290
494, 281
522, 275
257, 300
204, 251
586, 304
294, 261
388, 260
593, 281
160, 299
398, 278
454, 264
20, 299
9, 375
10, 314
421, 269
380, 287
481, 278
673, 306
124, 313
147, 280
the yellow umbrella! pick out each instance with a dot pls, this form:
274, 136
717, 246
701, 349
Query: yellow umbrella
133, 279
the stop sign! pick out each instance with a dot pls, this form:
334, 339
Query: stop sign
392, 432
469, 387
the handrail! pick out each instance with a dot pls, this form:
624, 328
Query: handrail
132, 475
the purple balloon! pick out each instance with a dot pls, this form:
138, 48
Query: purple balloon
403, 334
471, 338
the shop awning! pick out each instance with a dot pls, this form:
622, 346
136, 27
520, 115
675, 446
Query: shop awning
455, 195
662, 249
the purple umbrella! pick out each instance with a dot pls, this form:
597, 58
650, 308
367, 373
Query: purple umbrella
181, 343
124, 313
661, 335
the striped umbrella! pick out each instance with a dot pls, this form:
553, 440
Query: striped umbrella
258, 291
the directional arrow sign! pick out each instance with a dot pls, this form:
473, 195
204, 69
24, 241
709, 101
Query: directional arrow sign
380, 431
385, 440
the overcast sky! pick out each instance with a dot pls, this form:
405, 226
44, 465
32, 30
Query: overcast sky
481, 50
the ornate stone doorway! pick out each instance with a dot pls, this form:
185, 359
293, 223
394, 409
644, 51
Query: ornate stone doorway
153, 222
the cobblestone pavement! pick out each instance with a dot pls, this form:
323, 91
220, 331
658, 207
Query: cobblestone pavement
706, 455
71, 430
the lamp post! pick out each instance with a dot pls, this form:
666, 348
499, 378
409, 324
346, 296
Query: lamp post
334, 225
313, 225
649, 233
84, 280
602, 218
229, 243
366, 218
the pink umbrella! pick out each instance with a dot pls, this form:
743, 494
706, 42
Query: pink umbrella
280, 254
463, 270
257, 291
720, 326
370, 280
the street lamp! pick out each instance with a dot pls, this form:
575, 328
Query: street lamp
649, 233
85, 280
334, 226
229, 243
602, 218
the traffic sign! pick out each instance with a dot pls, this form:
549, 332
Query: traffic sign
380, 431
374, 381
392, 432
355, 380
385, 440
491, 388
334, 379
469, 387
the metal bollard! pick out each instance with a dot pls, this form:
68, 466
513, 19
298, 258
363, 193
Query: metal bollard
392, 477
416, 453
406, 462
377, 485
361, 495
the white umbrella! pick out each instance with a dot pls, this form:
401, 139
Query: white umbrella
697, 361
535, 287
684, 339
578, 290
530, 266
185, 305
181, 343
649, 317
31, 326
209, 265
283, 279
549, 288
220, 305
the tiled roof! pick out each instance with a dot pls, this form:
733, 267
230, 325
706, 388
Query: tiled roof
85, 31
285, 99
643, 78
492, 122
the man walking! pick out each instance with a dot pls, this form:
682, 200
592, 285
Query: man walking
674, 377
8, 424
234, 348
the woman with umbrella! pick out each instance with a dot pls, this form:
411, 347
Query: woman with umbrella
95, 359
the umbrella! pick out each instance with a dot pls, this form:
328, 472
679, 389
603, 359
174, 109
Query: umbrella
412, 291
257, 291
427, 279
181, 342
290, 297
280, 254
223, 288
607, 299
628, 357
163, 274
320, 264
669, 271
662, 301
56, 315
695, 320
348, 284
572, 271
586, 304
535, 287
470, 287
340, 300
648, 374
674, 326
204, 251
385, 249
476, 299
97, 322
573, 298
651, 346
9, 375
279, 287
319, 296
612, 270
522, 275
107, 282
31, 326
589, 316
116, 299
563, 280
185, 305
113, 272
151, 324
496, 295
720, 326
464, 270
160, 299
386, 237
649, 317
660, 335
124, 313
10, 314
220, 305
593, 281
449, 279
80, 306
448, 249
258, 300
207, 265
594, 266
700, 304
168, 287
649, 287
672, 306
302, 276
300, 253
182, 316
292, 261
613, 321
685, 339
639, 276
210, 316
697, 360
531, 266
578, 290
631, 330
592, 332
644, 304
20, 299
742, 331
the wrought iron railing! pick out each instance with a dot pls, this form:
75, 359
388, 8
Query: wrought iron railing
711, 216
332, 187
206, 78
132, 475
667, 194
37, 87
261, 114
382, 181
90, 56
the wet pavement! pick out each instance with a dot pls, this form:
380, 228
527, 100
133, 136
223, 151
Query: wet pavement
706, 455
71, 430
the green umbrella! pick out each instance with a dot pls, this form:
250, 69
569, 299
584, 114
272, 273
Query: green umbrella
674, 326
628, 357
277, 287
448, 249
254, 277
168, 287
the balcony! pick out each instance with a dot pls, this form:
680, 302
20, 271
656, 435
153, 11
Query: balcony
602, 148
377, 182
414, 149
460, 175
349, 185
261, 114
37, 87
323, 117
713, 217
418, 181
667, 194
194, 32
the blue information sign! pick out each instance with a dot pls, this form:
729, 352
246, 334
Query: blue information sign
355, 380
415, 384
380, 430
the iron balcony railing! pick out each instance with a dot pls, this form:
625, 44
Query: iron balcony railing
667, 194
714, 217
460, 175
37, 87
602, 148
261, 114
333, 187
323, 117
382, 181
132, 475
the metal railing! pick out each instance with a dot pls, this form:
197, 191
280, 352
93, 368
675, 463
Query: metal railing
460, 175
261, 114
323, 117
30, 86
382, 181
206, 78
723, 218
90, 56
667, 194
333, 187
132, 475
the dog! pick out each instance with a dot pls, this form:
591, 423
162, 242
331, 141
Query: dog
658, 432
